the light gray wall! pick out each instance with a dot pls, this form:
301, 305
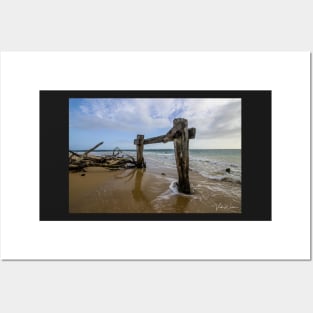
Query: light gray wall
156, 286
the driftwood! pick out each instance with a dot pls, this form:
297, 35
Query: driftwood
93, 148
118, 160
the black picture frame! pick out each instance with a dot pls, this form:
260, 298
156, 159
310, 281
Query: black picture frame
256, 155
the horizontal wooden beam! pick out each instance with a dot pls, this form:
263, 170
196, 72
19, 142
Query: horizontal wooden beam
154, 140
191, 135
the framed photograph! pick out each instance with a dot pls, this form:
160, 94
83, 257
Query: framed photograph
155, 156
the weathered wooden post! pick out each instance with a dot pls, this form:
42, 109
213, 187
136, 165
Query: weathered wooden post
139, 146
181, 144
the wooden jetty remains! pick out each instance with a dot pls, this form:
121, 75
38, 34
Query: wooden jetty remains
180, 135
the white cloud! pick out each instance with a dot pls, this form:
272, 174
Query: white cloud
216, 120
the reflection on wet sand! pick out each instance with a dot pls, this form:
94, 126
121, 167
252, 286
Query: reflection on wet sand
137, 193
181, 203
147, 191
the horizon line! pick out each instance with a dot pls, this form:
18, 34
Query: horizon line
157, 149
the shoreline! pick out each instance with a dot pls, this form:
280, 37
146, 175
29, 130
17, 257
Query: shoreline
150, 190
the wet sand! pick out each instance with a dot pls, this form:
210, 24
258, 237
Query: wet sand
148, 191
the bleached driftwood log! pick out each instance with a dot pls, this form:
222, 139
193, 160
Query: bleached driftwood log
78, 162
93, 148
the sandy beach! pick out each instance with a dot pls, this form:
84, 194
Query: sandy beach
150, 190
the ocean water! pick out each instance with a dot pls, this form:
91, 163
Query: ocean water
209, 163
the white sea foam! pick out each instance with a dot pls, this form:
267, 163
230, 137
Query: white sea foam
217, 165
173, 187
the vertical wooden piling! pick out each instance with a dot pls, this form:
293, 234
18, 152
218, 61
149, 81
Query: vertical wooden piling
139, 147
181, 144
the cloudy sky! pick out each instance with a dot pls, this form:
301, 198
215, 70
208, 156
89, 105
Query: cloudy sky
118, 121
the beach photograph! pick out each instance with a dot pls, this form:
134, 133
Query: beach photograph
155, 155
